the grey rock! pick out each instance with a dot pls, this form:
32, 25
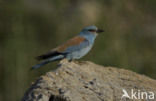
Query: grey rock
86, 81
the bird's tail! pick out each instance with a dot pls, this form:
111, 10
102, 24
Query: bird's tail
44, 62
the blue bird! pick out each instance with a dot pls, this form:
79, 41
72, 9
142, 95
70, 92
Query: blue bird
74, 48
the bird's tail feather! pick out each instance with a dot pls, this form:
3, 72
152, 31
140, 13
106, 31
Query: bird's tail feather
47, 61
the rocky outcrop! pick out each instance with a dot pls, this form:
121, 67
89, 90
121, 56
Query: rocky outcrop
86, 81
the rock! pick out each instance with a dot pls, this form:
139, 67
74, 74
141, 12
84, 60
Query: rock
86, 81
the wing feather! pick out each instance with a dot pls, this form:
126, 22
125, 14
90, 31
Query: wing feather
72, 42
69, 46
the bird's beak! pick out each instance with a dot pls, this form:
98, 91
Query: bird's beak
100, 31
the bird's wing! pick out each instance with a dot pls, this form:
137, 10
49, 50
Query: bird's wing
48, 55
73, 44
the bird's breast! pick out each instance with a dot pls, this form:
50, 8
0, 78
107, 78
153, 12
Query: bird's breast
79, 53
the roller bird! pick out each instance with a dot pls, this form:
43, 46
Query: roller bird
75, 48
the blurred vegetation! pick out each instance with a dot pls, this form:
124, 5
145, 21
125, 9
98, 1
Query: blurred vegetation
29, 28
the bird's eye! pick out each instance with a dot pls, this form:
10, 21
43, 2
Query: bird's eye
92, 30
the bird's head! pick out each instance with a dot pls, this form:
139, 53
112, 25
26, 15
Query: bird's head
92, 30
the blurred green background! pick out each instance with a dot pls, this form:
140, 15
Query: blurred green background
29, 28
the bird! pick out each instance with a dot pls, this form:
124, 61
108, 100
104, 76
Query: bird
73, 49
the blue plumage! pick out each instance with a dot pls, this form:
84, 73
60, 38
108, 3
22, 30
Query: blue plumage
75, 48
